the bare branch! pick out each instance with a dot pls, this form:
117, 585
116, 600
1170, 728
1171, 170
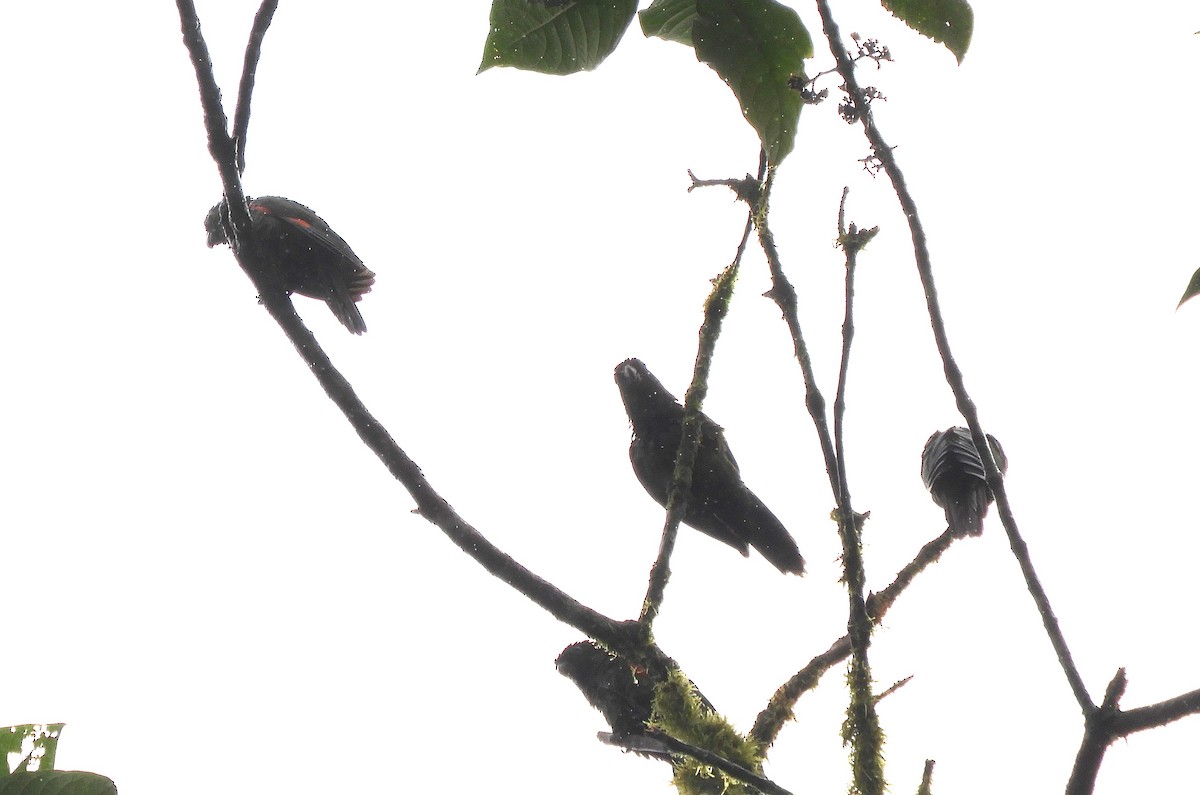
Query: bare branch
770, 721
1110, 723
895, 686
865, 736
1155, 715
219, 143
839, 401
715, 308
879, 603
1097, 736
926, 787
241, 118
954, 376
784, 295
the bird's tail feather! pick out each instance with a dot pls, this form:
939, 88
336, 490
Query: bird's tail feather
772, 540
966, 517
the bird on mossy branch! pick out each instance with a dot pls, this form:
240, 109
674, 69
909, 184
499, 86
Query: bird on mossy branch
613, 686
952, 470
719, 504
300, 254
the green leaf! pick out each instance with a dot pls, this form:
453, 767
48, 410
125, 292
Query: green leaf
57, 782
559, 37
756, 46
42, 739
947, 21
11, 739
1192, 290
669, 19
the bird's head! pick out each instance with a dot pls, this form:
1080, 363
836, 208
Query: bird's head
636, 382
631, 371
214, 225
644, 395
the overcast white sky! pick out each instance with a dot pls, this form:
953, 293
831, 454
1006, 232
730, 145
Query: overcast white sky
218, 587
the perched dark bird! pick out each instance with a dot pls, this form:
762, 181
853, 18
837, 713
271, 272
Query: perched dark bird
719, 505
302, 255
611, 686
953, 473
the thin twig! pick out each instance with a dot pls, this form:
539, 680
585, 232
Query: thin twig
865, 737
220, 146
747, 188
954, 375
839, 401
715, 307
895, 686
879, 603
689, 443
784, 295
241, 118
771, 720
1155, 715
926, 787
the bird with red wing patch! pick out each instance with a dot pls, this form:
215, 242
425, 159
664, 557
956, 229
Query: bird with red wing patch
302, 255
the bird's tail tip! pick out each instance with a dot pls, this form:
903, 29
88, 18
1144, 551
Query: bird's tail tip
785, 557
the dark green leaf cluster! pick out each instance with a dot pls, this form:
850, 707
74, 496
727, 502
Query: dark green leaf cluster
758, 47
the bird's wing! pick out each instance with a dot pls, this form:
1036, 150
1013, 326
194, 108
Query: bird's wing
305, 220
947, 453
654, 465
720, 490
952, 453
712, 437
998, 453
767, 534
